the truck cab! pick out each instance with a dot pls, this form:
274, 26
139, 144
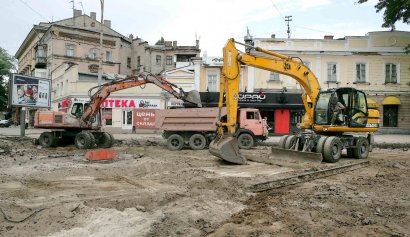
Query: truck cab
251, 127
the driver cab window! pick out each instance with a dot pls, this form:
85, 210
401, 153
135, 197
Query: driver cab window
359, 115
77, 109
252, 115
360, 102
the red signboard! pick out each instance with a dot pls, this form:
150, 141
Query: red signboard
144, 118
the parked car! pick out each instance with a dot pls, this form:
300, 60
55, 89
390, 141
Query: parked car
4, 123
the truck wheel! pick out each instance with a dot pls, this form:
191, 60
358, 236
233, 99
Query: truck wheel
332, 149
104, 140
320, 144
245, 141
47, 139
362, 148
82, 140
290, 141
175, 142
197, 142
92, 137
282, 141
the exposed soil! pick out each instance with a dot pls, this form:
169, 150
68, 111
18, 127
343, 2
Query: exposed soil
150, 191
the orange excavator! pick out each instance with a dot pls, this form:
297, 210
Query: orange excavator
82, 122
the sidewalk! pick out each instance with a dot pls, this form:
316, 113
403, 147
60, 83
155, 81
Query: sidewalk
120, 135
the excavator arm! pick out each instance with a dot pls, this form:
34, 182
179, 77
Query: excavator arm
140, 79
225, 145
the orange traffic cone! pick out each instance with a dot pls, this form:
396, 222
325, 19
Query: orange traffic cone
102, 154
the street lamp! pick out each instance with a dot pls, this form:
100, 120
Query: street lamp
101, 43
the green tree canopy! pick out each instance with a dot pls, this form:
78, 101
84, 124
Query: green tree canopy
6, 65
160, 42
394, 11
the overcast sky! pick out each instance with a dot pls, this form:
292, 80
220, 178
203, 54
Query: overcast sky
211, 21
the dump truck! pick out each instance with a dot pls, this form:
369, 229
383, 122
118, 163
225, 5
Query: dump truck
196, 127
323, 135
82, 121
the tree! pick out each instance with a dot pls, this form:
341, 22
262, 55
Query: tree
6, 65
160, 42
394, 10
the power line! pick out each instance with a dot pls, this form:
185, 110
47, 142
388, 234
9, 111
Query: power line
47, 20
277, 9
306, 28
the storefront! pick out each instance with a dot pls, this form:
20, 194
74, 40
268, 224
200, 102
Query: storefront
282, 110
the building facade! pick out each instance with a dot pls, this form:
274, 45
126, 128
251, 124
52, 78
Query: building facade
375, 63
68, 53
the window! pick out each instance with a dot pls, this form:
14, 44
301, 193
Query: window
212, 83
93, 54
70, 50
128, 62
169, 60
390, 115
138, 61
107, 115
158, 60
250, 115
360, 72
108, 56
332, 72
391, 73
77, 109
274, 76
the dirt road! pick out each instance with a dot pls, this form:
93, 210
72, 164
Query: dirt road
150, 191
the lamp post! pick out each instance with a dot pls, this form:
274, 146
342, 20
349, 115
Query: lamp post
101, 43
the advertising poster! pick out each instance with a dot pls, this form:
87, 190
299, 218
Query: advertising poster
144, 118
30, 91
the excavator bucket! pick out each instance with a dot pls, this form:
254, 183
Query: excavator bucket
193, 97
292, 156
227, 149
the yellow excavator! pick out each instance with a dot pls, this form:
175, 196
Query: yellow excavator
335, 119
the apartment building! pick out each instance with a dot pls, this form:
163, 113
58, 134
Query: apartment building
68, 53
375, 63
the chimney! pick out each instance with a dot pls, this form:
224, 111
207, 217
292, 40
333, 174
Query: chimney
174, 43
328, 37
168, 44
197, 44
77, 13
107, 23
93, 15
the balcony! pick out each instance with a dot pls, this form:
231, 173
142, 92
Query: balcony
41, 62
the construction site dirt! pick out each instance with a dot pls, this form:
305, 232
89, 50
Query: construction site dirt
150, 191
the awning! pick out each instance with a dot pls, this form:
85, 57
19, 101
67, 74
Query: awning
391, 100
372, 104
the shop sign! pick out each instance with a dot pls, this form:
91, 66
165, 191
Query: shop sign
144, 118
125, 103
252, 98
93, 68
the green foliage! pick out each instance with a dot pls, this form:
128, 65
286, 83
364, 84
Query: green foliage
394, 10
6, 65
160, 42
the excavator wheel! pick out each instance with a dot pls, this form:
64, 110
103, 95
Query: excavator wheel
290, 142
245, 141
83, 140
92, 137
282, 141
47, 139
175, 142
197, 142
105, 140
332, 149
320, 144
362, 148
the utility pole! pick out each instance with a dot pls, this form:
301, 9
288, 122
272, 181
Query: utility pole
288, 19
101, 44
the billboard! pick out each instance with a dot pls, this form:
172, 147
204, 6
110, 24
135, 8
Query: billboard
28, 91
144, 118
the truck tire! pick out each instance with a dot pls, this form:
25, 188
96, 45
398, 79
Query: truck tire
104, 140
362, 148
290, 141
82, 140
175, 142
47, 139
320, 144
245, 141
197, 142
332, 150
282, 141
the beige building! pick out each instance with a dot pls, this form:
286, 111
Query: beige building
375, 63
67, 52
